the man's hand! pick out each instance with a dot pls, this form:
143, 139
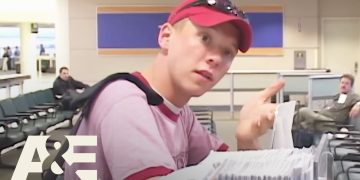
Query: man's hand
354, 111
256, 117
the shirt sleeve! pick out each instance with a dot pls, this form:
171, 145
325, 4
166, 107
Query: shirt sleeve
201, 142
356, 99
132, 145
78, 84
58, 88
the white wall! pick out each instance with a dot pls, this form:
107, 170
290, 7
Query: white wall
62, 39
16, 11
300, 33
302, 23
21, 13
333, 10
83, 41
339, 8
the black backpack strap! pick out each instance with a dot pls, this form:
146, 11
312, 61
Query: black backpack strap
86, 97
85, 101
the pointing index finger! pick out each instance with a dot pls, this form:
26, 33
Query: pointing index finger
271, 90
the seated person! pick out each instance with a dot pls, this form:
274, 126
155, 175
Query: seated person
64, 82
344, 105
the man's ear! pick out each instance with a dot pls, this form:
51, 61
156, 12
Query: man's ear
166, 30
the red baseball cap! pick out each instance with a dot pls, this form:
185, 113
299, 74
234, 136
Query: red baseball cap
207, 16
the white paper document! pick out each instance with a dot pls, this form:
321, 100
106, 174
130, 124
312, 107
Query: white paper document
282, 136
283, 162
273, 164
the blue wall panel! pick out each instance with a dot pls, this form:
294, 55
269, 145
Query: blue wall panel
267, 29
129, 30
140, 30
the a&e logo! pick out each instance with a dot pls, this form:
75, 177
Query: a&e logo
38, 143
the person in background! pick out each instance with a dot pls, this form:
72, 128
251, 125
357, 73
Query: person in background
42, 50
64, 82
343, 106
9, 62
17, 52
9, 51
16, 57
5, 52
6, 59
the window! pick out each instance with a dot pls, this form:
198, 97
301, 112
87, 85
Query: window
46, 37
9, 36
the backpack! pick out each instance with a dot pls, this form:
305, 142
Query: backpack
84, 102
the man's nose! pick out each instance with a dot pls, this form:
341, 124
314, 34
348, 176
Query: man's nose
214, 59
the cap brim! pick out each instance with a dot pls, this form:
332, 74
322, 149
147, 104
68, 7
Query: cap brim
209, 18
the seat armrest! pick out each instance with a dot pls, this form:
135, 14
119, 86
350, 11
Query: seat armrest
31, 111
5, 128
356, 133
324, 121
339, 125
3, 125
50, 104
23, 114
10, 120
41, 107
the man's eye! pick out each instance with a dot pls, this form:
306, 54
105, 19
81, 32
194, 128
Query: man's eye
228, 53
205, 38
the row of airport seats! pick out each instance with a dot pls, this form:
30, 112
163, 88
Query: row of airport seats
35, 113
205, 117
345, 147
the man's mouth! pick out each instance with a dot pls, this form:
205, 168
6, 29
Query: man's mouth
205, 74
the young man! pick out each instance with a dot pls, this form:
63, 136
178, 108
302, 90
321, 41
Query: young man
137, 141
65, 82
344, 105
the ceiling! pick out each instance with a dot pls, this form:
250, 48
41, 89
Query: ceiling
17, 11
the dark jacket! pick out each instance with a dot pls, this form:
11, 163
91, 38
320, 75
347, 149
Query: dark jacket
60, 86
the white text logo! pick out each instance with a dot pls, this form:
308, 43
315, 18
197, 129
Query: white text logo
37, 144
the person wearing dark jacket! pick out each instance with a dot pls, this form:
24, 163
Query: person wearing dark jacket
344, 105
64, 82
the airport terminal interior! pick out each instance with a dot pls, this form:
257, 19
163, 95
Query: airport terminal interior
309, 44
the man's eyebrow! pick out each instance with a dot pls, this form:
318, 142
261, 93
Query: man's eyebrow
204, 30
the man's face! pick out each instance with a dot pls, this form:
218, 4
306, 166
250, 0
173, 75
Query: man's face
345, 85
64, 74
199, 57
